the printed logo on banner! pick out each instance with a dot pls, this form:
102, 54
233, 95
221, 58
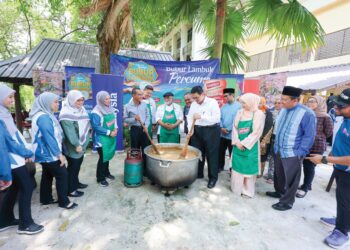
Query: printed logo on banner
140, 74
82, 83
114, 101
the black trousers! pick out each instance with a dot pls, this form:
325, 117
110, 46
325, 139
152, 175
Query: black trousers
288, 173
224, 145
51, 170
207, 140
343, 200
22, 186
102, 167
139, 140
73, 169
309, 174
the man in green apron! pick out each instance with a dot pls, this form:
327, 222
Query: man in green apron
169, 117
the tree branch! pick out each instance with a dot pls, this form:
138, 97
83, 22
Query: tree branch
70, 32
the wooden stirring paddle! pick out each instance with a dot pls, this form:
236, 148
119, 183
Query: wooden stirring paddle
150, 139
185, 148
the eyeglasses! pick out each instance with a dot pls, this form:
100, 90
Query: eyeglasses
311, 101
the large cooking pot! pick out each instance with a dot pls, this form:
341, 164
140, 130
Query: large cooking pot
172, 173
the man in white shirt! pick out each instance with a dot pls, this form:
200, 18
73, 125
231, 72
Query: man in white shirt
152, 108
206, 135
169, 116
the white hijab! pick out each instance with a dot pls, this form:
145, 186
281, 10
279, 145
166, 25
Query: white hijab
5, 114
70, 112
43, 104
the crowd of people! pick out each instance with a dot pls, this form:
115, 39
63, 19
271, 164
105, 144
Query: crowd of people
290, 137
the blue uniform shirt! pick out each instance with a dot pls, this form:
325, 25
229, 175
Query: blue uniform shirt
228, 114
341, 145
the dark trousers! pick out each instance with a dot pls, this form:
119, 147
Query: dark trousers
309, 174
22, 185
73, 169
343, 200
207, 140
102, 167
139, 140
288, 173
224, 145
51, 170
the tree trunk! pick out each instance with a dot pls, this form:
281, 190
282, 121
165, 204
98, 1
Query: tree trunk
220, 23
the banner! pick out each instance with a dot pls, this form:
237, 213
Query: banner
214, 88
251, 86
114, 86
164, 76
79, 78
271, 87
45, 81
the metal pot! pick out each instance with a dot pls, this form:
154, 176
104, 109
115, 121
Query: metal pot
172, 173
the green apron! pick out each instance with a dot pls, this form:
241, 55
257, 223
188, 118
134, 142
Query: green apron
169, 136
246, 162
108, 142
150, 122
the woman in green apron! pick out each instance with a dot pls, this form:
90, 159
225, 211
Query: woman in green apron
105, 128
167, 115
247, 129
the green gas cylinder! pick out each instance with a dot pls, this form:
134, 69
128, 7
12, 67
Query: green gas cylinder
133, 168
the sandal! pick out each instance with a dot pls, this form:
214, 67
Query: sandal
71, 205
301, 193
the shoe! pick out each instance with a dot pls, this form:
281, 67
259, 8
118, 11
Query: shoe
281, 207
50, 203
328, 221
32, 229
82, 186
111, 177
70, 206
76, 193
104, 183
211, 184
337, 239
14, 223
274, 194
300, 193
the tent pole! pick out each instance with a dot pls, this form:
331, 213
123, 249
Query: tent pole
18, 107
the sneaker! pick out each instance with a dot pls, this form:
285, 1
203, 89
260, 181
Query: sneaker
32, 229
328, 221
14, 223
76, 193
104, 183
337, 239
111, 177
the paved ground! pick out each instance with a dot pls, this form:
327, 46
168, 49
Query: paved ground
196, 218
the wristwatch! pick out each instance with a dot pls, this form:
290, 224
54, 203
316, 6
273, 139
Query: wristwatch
324, 160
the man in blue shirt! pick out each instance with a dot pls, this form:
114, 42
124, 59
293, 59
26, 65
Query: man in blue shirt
228, 114
295, 131
340, 157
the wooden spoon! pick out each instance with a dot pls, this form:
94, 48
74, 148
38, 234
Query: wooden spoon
150, 139
185, 148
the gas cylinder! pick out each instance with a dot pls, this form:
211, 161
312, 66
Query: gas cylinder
133, 168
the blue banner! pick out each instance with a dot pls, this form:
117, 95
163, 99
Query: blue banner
114, 86
176, 77
79, 78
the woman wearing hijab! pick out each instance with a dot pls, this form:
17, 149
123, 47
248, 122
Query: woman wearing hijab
22, 185
324, 130
266, 135
47, 146
247, 129
105, 128
75, 123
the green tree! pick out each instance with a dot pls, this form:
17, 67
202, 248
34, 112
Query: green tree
226, 23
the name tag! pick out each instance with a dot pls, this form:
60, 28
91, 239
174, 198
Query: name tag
243, 131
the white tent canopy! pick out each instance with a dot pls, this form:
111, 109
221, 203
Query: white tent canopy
319, 78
